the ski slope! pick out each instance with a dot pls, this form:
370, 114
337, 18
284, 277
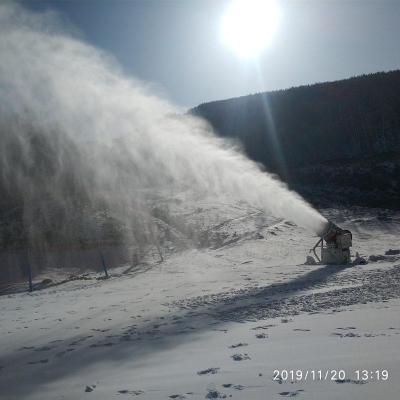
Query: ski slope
216, 322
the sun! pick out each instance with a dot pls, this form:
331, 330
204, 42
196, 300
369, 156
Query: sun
248, 26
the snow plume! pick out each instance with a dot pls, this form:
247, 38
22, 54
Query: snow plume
78, 134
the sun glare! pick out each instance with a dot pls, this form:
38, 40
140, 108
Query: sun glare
248, 26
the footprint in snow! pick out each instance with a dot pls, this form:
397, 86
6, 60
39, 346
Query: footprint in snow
348, 334
350, 381
261, 336
131, 392
291, 394
211, 371
44, 348
348, 327
62, 353
214, 394
44, 361
89, 388
108, 344
240, 357
263, 327
234, 346
230, 385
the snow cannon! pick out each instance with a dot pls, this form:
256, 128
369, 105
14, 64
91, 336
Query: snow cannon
335, 245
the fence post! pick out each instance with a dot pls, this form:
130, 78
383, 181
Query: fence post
30, 276
104, 264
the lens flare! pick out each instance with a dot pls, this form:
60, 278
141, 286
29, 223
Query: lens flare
248, 26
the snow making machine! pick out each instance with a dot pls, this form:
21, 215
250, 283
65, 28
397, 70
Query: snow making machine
335, 245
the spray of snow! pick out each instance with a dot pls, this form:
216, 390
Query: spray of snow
107, 136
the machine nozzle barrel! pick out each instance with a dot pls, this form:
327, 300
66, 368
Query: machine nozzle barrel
330, 232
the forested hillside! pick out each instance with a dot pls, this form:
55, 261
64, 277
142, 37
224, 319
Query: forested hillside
343, 135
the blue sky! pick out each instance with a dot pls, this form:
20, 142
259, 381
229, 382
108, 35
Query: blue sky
176, 45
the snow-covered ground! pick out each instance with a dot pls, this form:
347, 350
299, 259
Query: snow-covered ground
217, 322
